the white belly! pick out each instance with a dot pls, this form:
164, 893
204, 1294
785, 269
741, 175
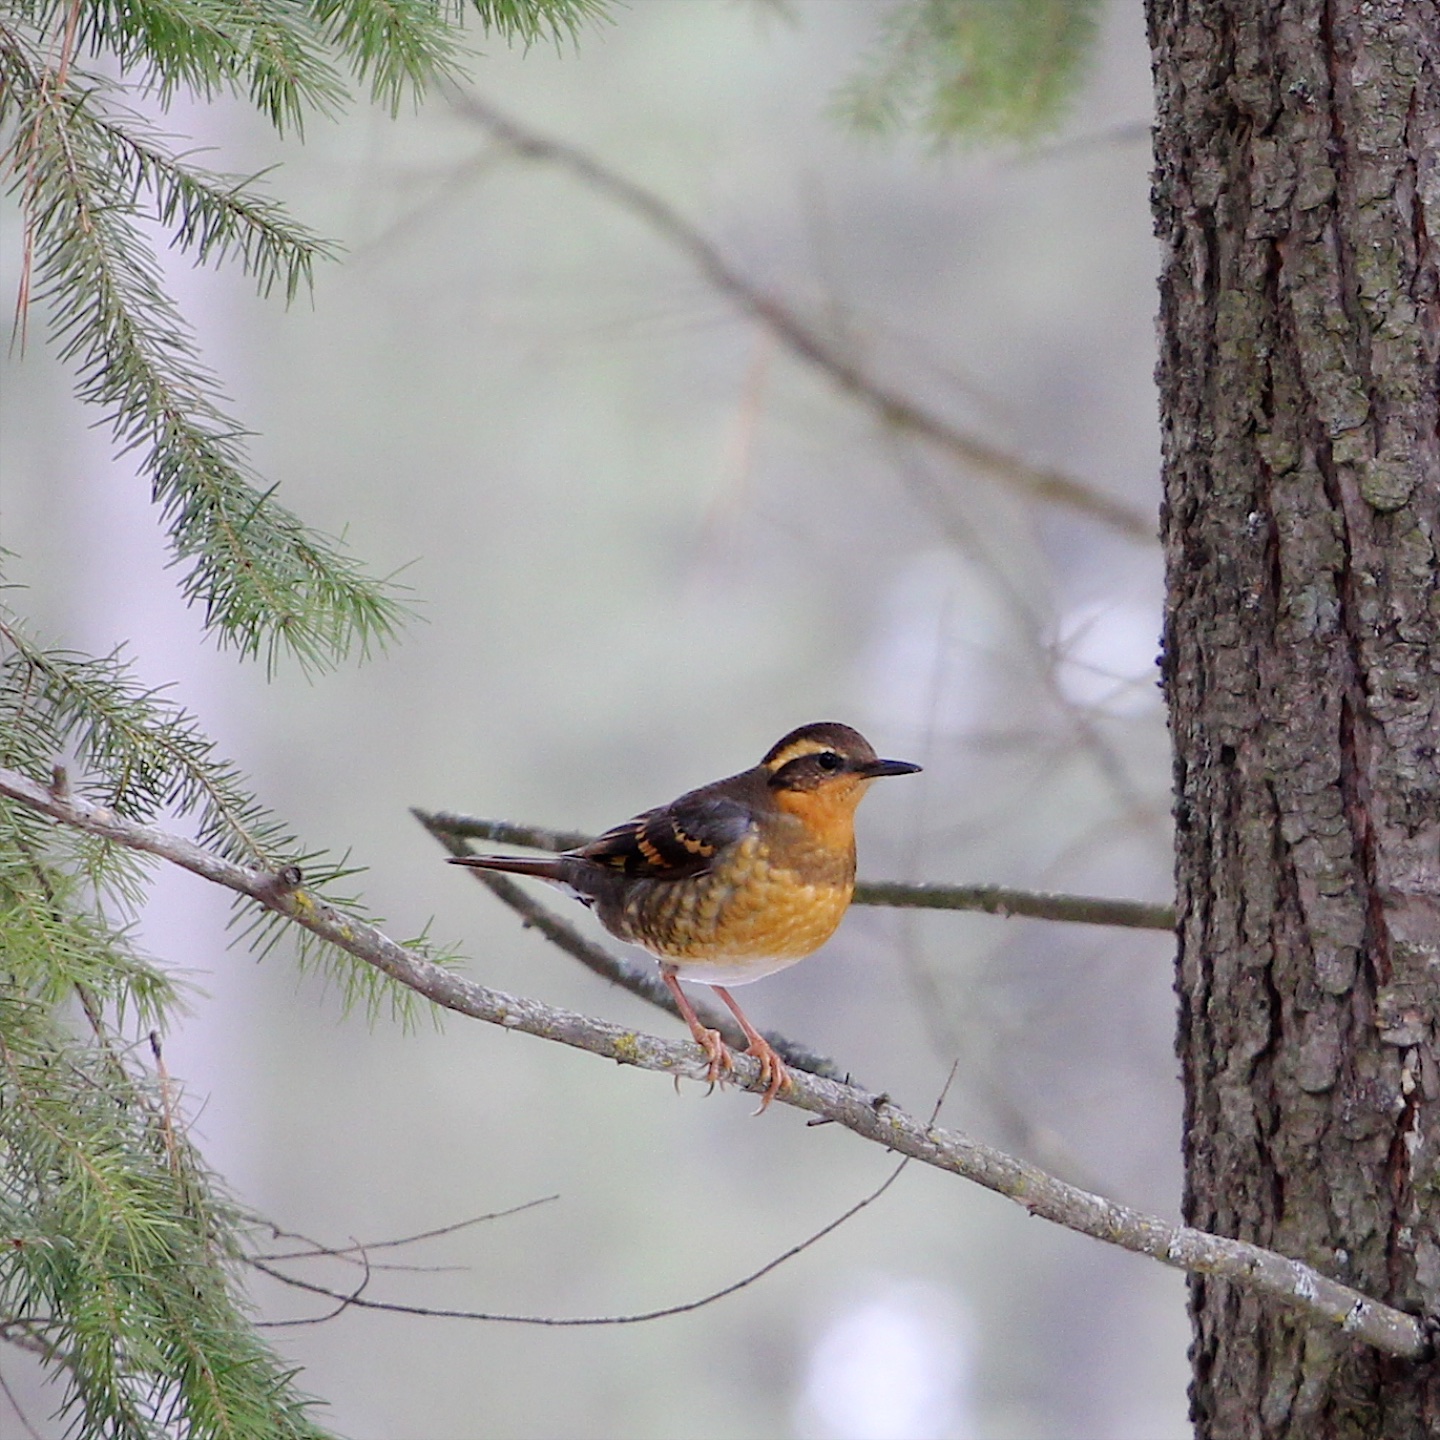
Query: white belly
731, 972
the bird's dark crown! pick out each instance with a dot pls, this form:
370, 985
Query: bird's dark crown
816, 739
820, 754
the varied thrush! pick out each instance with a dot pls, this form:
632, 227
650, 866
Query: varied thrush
733, 881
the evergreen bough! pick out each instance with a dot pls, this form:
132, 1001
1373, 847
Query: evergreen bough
972, 70
120, 1253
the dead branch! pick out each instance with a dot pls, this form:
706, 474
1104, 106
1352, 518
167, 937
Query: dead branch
987, 899
351, 1299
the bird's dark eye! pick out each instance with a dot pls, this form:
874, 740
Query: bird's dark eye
829, 760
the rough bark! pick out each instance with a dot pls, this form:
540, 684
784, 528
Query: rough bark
1297, 188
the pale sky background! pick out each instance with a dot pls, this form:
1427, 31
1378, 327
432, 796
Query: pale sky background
643, 542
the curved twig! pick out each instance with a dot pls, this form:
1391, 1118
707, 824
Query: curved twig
573, 1321
318, 1251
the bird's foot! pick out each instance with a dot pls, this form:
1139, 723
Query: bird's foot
721, 1062
774, 1073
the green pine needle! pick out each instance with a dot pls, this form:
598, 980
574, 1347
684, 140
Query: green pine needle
141, 755
532, 21
121, 1251
265, 583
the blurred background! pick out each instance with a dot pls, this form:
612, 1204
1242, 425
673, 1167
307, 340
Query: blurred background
643, 540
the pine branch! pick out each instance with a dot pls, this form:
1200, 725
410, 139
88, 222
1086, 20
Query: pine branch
120, 1250
265, 583
214, 217
531, 21
273, 55
1315, 1296
954, 70
146, 752
399, 47
890, 406
989, 899
140, 754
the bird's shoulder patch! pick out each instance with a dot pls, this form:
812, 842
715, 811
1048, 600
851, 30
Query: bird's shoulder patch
674, 842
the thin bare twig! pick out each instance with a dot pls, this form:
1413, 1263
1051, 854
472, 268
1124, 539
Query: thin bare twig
20, 1333
1315, 1296
572, 1321
344, 1299
20, 1414
988, 899
685, 1307
167, 1104
318, 1251
889, 405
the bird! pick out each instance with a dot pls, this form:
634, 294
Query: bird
733, 881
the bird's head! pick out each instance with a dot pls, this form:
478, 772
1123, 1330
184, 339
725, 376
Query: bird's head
820, 772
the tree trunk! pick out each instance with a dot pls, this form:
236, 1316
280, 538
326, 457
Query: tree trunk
1297, 185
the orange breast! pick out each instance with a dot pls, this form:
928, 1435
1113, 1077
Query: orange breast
761, 904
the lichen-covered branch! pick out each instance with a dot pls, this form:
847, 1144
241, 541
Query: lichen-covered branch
642, 981
874, 1117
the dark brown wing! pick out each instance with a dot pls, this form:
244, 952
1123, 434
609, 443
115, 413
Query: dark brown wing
677, 841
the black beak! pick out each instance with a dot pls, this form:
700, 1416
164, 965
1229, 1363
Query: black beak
874, 769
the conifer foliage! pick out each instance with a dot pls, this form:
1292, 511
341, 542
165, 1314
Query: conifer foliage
972, 70
119, 1251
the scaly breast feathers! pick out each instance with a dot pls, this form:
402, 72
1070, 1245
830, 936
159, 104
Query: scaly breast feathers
753, 908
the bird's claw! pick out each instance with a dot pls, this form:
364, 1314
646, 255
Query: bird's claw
721, 1063
774, 1073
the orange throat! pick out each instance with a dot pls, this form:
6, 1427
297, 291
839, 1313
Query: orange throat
828, 814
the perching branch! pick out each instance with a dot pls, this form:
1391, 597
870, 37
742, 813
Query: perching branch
890, 406
1318, 1298
989, 899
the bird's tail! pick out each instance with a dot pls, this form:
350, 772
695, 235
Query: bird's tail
544, 867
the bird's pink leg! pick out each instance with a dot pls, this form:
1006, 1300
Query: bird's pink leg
774, 1074
716, 1050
